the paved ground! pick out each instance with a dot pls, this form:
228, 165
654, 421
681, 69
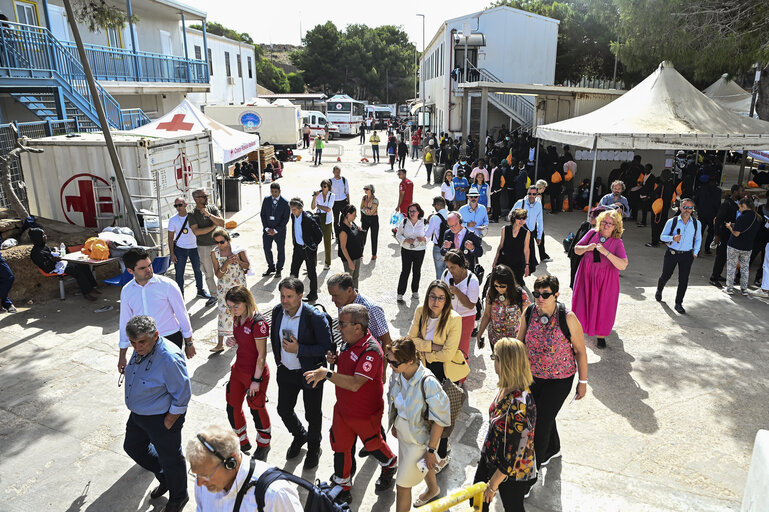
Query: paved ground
673, 403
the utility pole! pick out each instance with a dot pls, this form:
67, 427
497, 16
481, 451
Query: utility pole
130, 210
616, 56
752, 111
387, 86
422, 73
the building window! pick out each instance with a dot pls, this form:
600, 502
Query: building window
26, 12
227, 70
210, 63
198, 53
114, 37
248, 63
240, 67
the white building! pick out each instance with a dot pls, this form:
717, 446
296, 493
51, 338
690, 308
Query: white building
505, 45
232, 69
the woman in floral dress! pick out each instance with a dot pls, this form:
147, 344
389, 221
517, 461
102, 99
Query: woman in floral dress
505, 302
230, 267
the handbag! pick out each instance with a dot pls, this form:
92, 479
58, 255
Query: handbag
456, 399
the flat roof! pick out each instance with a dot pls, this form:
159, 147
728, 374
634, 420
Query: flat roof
536, 89
299, 96
186, 9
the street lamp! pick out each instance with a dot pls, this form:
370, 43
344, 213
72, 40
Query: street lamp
422, 73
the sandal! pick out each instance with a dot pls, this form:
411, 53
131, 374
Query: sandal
419, 502
217, 350
442, 464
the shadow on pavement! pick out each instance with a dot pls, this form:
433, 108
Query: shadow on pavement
131, 486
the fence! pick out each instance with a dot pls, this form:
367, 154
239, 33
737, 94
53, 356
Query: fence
32, 130
473, 493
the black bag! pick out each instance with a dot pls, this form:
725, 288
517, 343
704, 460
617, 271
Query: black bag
567, 242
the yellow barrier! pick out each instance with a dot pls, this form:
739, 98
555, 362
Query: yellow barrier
473, 493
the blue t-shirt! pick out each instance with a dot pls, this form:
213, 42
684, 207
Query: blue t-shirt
460, 186
483, 190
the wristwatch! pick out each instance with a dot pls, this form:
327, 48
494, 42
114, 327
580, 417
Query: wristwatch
430, 450
329, 374
254, 379
188, 343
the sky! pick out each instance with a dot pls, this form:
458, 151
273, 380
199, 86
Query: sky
279, 21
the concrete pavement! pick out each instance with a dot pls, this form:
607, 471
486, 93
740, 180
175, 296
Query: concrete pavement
672, 408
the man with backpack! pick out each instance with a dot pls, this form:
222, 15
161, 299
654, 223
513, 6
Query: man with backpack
437, 225
222, 480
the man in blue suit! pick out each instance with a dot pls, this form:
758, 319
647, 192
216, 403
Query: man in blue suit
300, 337
460, 238
306, 236
275, 214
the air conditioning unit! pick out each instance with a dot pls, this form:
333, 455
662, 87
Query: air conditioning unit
230, 80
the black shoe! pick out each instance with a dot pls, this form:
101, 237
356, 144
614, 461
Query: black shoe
312, 297
680, 309
268, 272
363, 453
651, 245
176, 506
203, 295
261, 452
210, 302
718, 278
658, 296
245, 448
474, 333
277, 274
386, 478
601, 343
159, 491
715, 283
312, 458
296, 445
344, 497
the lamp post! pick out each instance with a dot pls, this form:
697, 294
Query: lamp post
422, 73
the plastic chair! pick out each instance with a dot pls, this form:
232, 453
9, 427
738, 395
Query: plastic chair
61, 277
120, 280
160, 264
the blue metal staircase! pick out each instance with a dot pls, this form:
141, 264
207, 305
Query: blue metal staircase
43, 75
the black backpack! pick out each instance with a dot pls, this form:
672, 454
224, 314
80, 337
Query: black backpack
442, 229
561, 319
321, 496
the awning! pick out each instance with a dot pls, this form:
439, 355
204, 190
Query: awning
415, 107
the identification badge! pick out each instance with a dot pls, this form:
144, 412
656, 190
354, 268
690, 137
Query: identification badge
272, 217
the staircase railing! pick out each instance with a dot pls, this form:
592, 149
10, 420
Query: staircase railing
134, 118
516, 104
34, 50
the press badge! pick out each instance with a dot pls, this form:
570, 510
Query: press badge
272, 217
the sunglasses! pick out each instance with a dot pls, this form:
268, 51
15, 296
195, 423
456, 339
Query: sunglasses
178, 205
221, 242
532, 194
688, 207
394, 364
497, 285
544, 295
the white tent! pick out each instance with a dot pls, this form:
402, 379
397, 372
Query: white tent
186, 118
729, 95
664, 111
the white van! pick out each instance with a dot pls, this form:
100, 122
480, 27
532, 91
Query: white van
318, 121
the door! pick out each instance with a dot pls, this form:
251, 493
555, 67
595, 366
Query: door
165, 42
59, 24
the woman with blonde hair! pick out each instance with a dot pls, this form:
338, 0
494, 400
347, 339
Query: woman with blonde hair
596, 284
508, 463
436, 331
419, 410
230, 267
250, 374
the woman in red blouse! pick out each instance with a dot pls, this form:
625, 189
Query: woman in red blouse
250, 375
507, 459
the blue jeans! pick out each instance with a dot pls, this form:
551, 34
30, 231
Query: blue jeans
6, 281
159, 450
318, 154
440, 265
181, 263
280, 240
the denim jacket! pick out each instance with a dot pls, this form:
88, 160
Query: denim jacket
437, 403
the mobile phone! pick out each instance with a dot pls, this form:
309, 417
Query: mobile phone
451, 281
573, 398
286, 334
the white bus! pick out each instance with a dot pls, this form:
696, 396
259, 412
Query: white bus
345, 113
381, 114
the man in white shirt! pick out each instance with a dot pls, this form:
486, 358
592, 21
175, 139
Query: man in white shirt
436, 227
220, 475
341, 190
533, 207
155, 296
183, 244
475, 216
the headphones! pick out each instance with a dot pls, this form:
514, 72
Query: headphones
229, 463
544, 319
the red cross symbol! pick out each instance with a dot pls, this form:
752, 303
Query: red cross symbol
82, 199
183, 170
176, 124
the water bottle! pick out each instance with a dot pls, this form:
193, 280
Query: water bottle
62, 249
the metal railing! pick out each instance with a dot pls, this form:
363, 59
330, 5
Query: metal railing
473, 493
595, 83
28, 51
134, 118
121, 64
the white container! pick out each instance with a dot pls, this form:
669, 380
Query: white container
277, 125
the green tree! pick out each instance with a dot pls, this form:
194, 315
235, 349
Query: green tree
295, 82
319, 59
271, 77
218, 29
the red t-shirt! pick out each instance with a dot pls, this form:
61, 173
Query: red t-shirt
408, 197
364, 358
245, 334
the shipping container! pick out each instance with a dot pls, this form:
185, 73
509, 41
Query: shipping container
276, 125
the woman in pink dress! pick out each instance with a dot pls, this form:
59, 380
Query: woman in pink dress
596, 285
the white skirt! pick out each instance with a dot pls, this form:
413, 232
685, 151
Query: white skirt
409, 453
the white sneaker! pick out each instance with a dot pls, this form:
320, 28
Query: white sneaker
557, 454
400, 298
547, 260
326, 267
744, 291
415, 295
760, 293
729, 290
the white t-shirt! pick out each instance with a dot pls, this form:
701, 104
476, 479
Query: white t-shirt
448, 191
340, 187
187, 240
469, 287
432, 323
329, 202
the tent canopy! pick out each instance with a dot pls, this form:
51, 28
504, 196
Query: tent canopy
186, 118
729, 95
664, 111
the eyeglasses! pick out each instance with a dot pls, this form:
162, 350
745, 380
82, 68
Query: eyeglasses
342, 324
605, 223
179, 205
413, 211
203, 478
687, 207
435, 298
221, 242
394, 364
544, 295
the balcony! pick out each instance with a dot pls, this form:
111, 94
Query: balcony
118, 64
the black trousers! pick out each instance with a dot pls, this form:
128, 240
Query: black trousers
290, 383
549, 395
370, 224
511, 492
177, 339
555, 197
658, 224
429, 169
392, 161
302, 254
305, 140
336, 210
402, 162
411, 262
541, 247
496, 205
709, 225
83, 275
646, 206
684, 262
720, 261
